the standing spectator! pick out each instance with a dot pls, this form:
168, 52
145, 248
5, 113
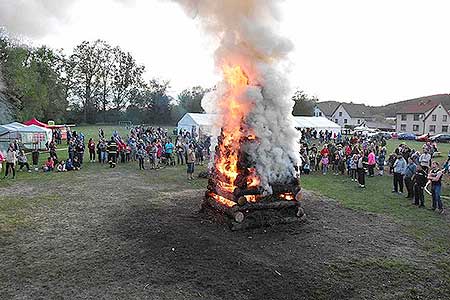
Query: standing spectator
169, 151
324, 161
52, 149
180, 152
371, 163
112, 153
141, 156
71, 150
361, 172
153, 152
420, 180
425, 159
190, 162
79, 150
91, 148
199, 153
409, 173
354, 167
435, 176
101, 146
381, 160
336, 163
399, 171
11, 159
324, 151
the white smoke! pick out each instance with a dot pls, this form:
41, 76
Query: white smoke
35, 18
248, 36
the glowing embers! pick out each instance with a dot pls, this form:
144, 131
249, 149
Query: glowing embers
222, 200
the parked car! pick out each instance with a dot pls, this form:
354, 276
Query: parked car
380, 135
407, 136
441, 138
423, 138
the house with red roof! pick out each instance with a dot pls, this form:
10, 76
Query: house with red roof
426, 115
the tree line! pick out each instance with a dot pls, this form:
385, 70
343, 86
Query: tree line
96, 83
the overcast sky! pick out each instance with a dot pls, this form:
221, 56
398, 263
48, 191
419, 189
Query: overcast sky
372, 52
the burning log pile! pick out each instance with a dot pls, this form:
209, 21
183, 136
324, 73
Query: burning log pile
240, 200
234, 188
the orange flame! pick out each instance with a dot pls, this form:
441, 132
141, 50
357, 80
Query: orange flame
234, 112
222, 200
287, 196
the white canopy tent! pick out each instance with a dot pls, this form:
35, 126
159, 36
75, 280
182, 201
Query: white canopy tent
29, 136
197, 123
317, 123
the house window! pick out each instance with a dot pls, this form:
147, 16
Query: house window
416, 117
359, 121
432, 128
403, 127
444, 118
320, 114
403, 117
445, 128
340, 114
345, 121
335, 120
415, 127
433, 118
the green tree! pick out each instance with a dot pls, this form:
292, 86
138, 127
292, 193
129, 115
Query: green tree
86, 63
304, 104
33, 77
154, 102
126, 78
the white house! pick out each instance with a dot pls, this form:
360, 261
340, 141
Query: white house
325, 109
350, 114
427, 115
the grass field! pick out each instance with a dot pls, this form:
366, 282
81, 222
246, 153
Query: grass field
102, 233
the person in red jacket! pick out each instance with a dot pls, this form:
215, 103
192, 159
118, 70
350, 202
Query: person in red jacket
91, 147
324, 151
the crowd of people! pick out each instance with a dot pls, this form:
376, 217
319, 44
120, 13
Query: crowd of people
359, 156
354, 156
155, 146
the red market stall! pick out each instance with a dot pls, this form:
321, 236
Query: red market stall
36, 122
51, 125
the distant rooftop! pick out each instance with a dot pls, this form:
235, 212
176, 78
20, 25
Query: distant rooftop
424, 104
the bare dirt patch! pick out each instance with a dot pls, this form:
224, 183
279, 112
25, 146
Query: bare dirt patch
112, 236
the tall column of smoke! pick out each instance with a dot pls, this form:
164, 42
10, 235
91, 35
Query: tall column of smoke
248, 37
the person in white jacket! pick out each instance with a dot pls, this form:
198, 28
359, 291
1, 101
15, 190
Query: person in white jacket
11, 158
399, 172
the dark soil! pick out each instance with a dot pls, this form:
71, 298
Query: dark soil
110, 238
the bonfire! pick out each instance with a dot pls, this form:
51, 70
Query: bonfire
253, 175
